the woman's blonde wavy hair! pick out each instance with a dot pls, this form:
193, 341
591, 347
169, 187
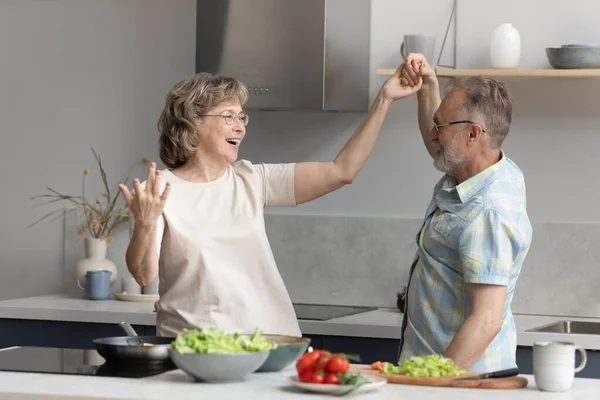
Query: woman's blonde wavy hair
185, 104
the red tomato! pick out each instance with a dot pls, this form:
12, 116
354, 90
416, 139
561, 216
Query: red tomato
377, 366
321, 364
305, 376
307, 361
332, 379
316, 378
337, 365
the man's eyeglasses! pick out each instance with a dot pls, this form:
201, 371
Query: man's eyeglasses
438, 126
231, 118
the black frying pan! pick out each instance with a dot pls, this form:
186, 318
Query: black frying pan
134, 348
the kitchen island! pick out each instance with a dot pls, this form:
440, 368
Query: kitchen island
177, 385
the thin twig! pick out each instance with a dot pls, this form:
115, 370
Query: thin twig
84, 203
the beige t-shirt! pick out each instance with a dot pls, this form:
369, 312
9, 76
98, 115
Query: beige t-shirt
216, 266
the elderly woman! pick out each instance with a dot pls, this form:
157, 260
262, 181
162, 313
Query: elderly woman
199, 224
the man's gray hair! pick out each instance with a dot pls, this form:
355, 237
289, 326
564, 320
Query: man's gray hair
488, 102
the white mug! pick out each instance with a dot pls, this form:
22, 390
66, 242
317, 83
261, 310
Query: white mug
130, 286
554, 365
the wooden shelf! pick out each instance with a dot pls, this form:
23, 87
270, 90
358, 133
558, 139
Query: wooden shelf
540, 73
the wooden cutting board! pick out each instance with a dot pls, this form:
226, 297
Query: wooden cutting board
513, 382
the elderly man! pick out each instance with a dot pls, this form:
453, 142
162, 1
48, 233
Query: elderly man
476, 232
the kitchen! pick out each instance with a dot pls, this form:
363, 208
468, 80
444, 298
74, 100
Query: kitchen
362, 237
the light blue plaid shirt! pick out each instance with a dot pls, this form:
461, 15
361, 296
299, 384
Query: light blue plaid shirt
475, 232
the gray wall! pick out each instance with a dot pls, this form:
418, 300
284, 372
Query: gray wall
76, 74
365, 261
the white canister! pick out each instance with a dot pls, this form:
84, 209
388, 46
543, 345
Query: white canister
92, 357
130, 286
505, 47
151, 288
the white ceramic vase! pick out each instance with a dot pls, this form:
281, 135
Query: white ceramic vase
95, 259
505, 47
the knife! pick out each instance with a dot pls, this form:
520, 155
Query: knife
496, 374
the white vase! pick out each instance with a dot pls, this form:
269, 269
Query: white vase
95, 259
505, 47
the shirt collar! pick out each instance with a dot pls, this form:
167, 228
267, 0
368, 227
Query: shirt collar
474, 184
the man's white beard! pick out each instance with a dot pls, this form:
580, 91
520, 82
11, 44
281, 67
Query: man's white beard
450, 157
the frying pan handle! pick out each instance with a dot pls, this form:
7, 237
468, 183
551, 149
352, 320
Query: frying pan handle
128, 329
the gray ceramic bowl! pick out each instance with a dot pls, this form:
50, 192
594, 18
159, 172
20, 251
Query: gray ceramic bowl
573, 57
289, 349
219, 367
581, 45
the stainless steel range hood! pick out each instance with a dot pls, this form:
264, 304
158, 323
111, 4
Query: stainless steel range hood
292, 54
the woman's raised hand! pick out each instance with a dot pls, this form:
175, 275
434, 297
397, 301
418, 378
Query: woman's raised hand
146, 204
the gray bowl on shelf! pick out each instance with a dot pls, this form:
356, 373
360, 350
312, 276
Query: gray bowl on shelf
585, 46
218, 367
574, 57
289, 349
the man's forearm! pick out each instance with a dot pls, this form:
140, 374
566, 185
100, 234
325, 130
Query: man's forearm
472, 339
429, 102
355, 153
141, 255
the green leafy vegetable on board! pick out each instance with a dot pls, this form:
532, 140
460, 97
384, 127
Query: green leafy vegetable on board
214, 340
425, 366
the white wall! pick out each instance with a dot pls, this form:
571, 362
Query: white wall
73, 75
555, 132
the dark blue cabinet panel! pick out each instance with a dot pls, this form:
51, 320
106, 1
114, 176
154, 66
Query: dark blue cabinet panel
62, 334
316, 341
368, 349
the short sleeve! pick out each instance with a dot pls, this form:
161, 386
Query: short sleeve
488, 248
277, 182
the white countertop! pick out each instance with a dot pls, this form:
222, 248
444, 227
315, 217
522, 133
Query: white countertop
69, 307
381, 323
177, 385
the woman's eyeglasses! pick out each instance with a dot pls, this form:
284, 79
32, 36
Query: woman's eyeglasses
231, 118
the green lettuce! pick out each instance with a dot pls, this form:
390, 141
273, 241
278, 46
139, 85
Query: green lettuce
214, 340
427, 366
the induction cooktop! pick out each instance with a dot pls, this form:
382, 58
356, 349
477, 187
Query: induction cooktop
72, 362
324, 312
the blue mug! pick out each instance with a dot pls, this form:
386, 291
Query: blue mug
97, 284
